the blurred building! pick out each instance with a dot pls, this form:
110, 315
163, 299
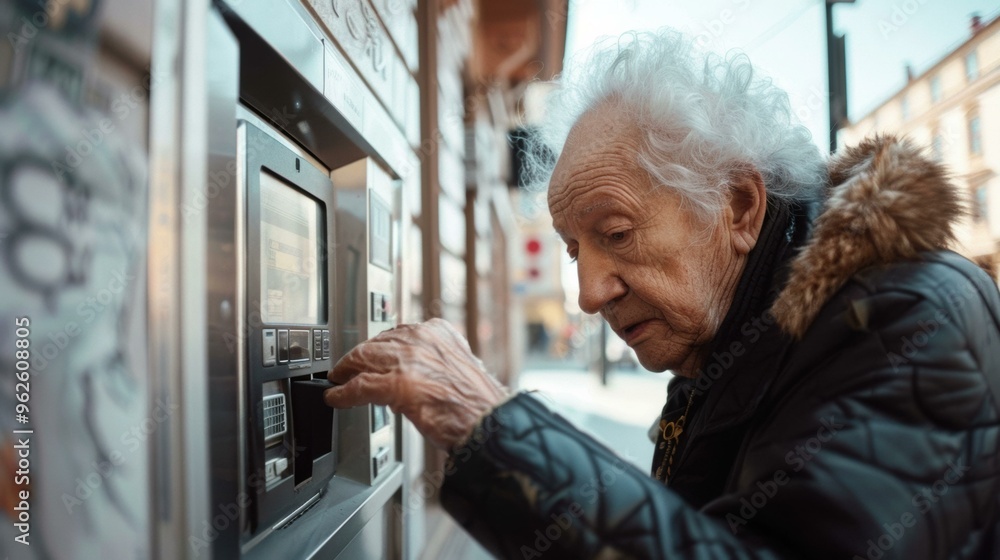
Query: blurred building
543, 291
485, 54
537, 279
118, 139
478, 60
954, 109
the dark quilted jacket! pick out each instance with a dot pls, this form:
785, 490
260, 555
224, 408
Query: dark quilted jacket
874, 436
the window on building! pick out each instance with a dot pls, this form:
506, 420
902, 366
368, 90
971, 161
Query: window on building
971, 66
981, 210
937, 146
904, 107
975, 135
935, 89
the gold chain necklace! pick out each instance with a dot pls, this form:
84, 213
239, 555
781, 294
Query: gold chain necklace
671, 435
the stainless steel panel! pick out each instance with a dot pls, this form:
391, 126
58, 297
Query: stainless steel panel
378, 539
364, 190
284, 28
352, 27
344, 88
212, 491
191, 143
413, 503
339, 120
350, 185
334, 521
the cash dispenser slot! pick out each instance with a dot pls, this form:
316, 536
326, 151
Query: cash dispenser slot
314, 425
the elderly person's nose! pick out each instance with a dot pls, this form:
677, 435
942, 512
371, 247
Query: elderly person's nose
599, 283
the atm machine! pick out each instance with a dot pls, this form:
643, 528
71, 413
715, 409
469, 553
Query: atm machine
201, 208
288, 452
304, 253
319, 278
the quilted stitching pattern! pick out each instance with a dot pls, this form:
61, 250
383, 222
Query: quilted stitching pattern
902, 371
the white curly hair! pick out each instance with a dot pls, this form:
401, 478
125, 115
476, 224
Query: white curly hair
704, 117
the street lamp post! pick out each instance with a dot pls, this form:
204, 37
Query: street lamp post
836, 56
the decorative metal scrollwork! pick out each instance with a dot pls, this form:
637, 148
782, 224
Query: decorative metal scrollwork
356, 24
363, 26
374, 44
395, 6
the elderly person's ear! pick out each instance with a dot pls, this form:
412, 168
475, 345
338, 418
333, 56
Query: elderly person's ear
747, 205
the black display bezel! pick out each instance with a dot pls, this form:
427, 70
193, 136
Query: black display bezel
265, 154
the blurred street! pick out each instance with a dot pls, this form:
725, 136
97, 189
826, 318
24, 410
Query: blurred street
618, 414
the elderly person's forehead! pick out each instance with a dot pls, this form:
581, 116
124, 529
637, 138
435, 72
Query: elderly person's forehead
604, 131
601, 125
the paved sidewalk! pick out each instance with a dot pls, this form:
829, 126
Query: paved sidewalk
619, 414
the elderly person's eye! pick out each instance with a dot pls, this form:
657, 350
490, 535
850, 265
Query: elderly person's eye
618, 236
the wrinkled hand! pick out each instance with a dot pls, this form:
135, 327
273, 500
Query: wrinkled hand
425, 371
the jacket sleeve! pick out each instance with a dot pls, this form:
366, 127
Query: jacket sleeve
883, 445
530, 485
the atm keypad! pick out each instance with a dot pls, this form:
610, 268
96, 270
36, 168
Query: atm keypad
289, 345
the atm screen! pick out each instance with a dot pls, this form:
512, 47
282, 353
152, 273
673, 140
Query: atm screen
291, 227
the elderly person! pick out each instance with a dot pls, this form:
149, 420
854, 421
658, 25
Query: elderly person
837, 370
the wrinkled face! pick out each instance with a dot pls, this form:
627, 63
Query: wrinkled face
661, 278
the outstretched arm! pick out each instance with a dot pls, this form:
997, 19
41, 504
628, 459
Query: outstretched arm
425, 371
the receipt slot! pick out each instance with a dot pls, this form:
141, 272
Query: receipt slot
367, 201
289, 448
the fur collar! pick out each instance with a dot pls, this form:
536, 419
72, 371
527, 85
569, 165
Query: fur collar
886, 201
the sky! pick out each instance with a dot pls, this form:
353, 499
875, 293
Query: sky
787, 40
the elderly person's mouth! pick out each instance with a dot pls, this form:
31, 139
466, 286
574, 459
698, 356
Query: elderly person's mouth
634, 331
